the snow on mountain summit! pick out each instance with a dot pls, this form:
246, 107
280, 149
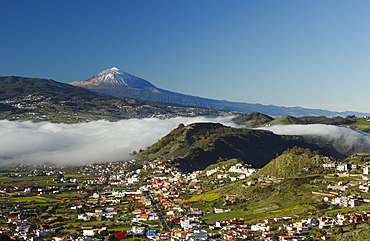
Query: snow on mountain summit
116, 77
113, 77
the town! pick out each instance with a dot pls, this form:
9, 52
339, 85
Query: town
154, 200
37, 107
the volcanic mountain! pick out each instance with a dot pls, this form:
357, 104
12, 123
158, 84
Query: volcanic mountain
37, 99
114, 78
123, 85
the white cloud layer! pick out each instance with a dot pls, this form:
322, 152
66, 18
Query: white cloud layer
104, 141
99, 141
349, 141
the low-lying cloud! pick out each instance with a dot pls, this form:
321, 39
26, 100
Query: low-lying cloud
104, 141
344, 139
100, 141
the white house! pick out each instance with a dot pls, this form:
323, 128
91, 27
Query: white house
197, 235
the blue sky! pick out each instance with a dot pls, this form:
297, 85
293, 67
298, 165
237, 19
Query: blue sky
314, 54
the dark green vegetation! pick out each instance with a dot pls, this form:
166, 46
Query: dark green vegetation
47, 100
253, 119
315, 120
13, 86
198, 145
358, 159
351, 121
256, 119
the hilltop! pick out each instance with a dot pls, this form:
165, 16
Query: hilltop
254, 119
295, 162
351, 121
198, 145
338, 120
257, 119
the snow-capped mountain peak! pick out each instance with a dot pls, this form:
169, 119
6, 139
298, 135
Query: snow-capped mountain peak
114, 69
113, 77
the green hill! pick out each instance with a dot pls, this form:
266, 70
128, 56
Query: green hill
295, 162
256, 119
13, 86
358, 159
287, 120
283, 187
199, 145
253, 119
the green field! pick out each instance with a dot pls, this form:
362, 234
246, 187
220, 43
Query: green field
42, 199
208, 196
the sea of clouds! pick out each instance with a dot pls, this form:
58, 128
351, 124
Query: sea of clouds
105, 141
99, 141
346, 139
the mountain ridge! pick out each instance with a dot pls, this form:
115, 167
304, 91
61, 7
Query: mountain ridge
38, 99
199, 145
153, 93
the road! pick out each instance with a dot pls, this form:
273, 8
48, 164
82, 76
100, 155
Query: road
162, 220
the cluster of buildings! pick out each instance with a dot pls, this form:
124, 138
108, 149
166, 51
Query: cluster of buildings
152, 201
29, 102
342, 219
347, 201
343, 167
147, 198
234, 172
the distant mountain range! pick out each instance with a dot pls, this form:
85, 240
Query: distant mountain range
121, 84
48, 100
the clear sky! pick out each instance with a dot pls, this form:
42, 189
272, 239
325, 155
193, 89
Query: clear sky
314, 54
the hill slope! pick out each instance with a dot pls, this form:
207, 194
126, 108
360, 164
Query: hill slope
47, 100
120, 84
295, 162
253, 119
198, 145
287, 120
14, 86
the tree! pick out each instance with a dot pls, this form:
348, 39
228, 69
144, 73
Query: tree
89, 190
59, 176
338, 231
4, 237
41, 209
109, 237
352, 226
